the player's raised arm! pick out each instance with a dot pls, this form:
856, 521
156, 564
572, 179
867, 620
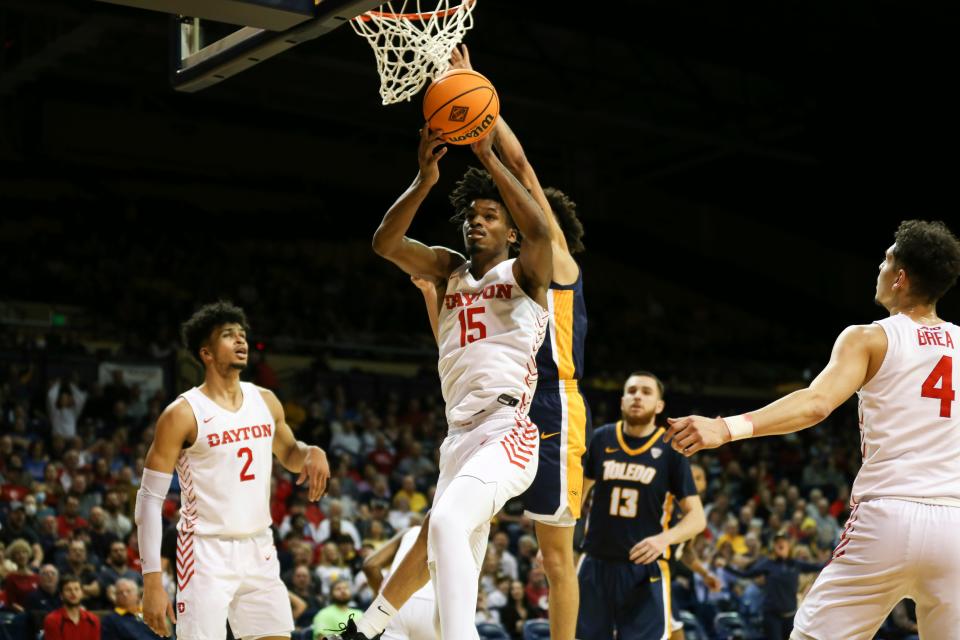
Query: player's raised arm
296, 456
536, 252
390, 240
176, 426
856, 356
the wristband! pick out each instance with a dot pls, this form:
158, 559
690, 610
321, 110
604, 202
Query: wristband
740, 427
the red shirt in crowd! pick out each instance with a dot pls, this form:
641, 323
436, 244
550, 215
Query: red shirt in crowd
65, 525
58, 626
18, 586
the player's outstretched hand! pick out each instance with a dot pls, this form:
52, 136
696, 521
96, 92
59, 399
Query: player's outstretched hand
429, 153
648, 549
157, 608
460, 58
317, 470
693, 433
424, 284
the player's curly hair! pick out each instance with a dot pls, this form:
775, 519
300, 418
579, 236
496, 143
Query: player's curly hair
930, 254
474, 185
196, 331
565, 211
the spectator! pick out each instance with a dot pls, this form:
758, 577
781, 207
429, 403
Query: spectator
114, 504
507, 561
334, 617
124, 623
483, 612
20, 582
78, 566
86, 500
379, 490
516, 612
303, 586
416, 464
115, 567
335, 525
381, 456
71, 621
101, 538
401, 516
537, 592
499, 597
70, 520
50, 541
827, 527
527, 550
301, 553
64, 407
332, 568
17, 528
46, 597
335, 492
408, 489
732, 536
781, 583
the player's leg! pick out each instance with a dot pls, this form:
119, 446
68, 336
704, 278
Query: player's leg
868, 575
411, 575
553, 500
556, 544
937, 572
643, 610
596, 607
261, 606
498, 470
206, 582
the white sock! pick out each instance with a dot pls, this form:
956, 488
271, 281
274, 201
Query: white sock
376, 618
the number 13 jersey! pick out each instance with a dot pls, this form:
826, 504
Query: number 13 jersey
225, 473
489, 333
909, 420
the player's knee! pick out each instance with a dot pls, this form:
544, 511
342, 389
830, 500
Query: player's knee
444, 522
557, 562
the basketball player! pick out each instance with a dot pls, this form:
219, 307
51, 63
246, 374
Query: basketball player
492, 320
559, 409
415, 618
900, 538
221, 438
624, 575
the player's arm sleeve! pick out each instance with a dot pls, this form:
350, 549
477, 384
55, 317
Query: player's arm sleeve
681, 478
147, 514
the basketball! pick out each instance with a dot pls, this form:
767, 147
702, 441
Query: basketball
463, 104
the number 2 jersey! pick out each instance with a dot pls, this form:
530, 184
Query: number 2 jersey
225, 474
489, 333
909, 420
639, 483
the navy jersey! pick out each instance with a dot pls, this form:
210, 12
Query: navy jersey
638, 482
560, 357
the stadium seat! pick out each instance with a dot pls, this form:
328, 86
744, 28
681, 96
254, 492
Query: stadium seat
536, 630
692, 629
302, 634
729, 626
491, 631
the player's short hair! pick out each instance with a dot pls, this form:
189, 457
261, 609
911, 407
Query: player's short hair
478, 184
930, 254
565, 211
647, 374
196, 331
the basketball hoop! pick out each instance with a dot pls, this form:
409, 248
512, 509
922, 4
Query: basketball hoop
413, 47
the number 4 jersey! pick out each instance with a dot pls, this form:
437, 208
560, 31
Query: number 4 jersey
225, 473
489, 334
909, 421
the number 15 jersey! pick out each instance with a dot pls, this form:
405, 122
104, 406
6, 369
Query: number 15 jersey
489, 333
909, 417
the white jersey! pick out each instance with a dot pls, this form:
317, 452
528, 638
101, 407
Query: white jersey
406, 543
489, 334
909, 420
225, 474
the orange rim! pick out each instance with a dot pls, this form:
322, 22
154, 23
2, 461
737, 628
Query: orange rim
365, 17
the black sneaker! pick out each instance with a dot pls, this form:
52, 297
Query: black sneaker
348, 632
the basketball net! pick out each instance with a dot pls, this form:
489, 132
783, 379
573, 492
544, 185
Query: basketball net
413, 47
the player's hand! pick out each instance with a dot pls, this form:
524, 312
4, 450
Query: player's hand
424, 284
649, 549
693, 433
157, 608
713, 582
460, 58
317, 470
429, 153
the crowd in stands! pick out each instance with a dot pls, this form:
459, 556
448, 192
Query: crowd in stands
72, 451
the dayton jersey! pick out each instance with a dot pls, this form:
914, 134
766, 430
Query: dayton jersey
638, 483
909, 417
489, 333
225, 474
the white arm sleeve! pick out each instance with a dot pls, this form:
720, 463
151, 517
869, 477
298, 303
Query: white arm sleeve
147, 514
